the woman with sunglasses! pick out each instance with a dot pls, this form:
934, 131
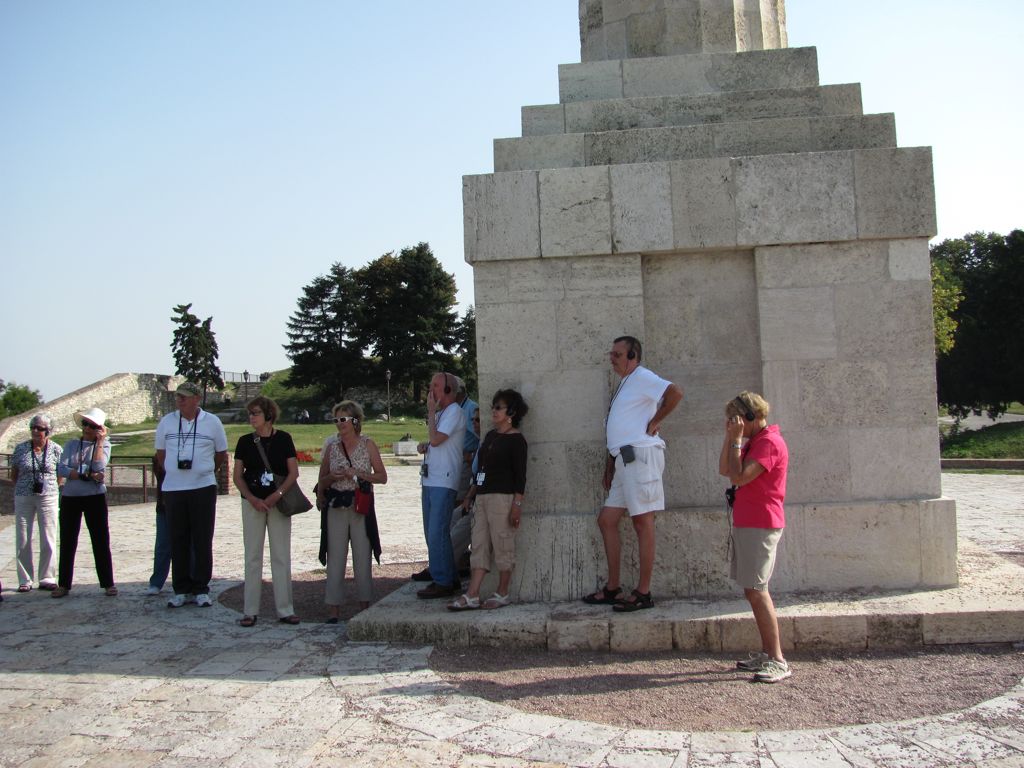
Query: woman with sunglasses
498, 488
34, 472
266, 446
83, 465
349, 460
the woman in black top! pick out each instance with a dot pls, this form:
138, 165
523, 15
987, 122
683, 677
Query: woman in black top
260, 495
497, 490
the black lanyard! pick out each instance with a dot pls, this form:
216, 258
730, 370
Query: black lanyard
81, 453
42, 470
191, 431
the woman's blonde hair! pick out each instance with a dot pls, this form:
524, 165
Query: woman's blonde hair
752, 401
350, 408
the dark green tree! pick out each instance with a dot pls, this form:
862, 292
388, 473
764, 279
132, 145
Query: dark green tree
321, 335
407, 319
465, 350
17, 398
194, 346
984, 369
947, 293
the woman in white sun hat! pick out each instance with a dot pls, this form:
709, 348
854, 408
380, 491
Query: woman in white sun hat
83, 464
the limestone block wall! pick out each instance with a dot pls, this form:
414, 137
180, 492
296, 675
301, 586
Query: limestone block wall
127, 398
757, 231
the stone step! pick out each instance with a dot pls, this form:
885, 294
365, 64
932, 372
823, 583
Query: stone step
663, 111
987, 607
688, 74
690, 142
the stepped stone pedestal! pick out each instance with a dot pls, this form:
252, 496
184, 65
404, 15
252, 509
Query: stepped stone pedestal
697, 187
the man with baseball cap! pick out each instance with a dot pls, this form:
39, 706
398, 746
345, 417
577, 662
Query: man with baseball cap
191, 447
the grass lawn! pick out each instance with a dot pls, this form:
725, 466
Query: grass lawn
999, 441
308, 437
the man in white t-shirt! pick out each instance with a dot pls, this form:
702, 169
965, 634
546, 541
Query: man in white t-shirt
191, 447
439, 477
633, 469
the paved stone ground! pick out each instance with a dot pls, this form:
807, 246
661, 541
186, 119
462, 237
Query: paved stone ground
97, 681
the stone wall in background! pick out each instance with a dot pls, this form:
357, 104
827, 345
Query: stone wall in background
127, 398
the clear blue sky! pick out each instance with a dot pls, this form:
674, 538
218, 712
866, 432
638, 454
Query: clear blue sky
224, 154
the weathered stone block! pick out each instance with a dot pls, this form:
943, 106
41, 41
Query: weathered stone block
912, 391
895, 193
795, 198
594, 80
895, 463
966, 626
576, 633
646, 635
649, 145
544, 120
823, 459
501, 216
826, 632
696, 635
851, 132
575, 212
534, 348
797, 323
803, 266
587, 326
641, 208
879, 530
938, 529
848, 394
703, 204
890, 320
910, 259
557, 556
536, 152
895, 631
599, 277
491, 280
842, 99
762, 137
553, 420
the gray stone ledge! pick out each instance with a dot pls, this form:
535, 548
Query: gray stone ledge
661, 111
688, 74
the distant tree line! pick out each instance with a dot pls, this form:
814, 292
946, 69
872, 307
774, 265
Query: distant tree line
17, 398
977, 282
395, 314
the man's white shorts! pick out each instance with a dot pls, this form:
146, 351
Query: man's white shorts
637, 486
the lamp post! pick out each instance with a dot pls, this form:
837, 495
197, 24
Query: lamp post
387, 378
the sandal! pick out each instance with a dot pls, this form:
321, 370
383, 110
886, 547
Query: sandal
465, 603
110, 591
640, 601
293, 620
497, 601
247, 621
25, 588
604, 597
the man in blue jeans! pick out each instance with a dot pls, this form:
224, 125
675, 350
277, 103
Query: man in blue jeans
439, 477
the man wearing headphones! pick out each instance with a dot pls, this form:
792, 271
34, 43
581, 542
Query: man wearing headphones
439, 477
633, 469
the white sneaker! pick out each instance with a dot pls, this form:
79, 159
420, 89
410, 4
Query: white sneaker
176, 601
151, 590
753, 662
203, 600
773, 672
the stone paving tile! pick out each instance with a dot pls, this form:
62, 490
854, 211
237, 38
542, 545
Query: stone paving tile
90, 680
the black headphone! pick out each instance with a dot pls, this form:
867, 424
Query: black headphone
635, 350
745, 409
447, 386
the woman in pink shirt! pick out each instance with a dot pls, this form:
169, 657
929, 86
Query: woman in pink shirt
755, 459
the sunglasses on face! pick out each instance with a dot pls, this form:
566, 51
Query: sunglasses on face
89, 425
343, 419
256, 412
498, 407
37, 428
